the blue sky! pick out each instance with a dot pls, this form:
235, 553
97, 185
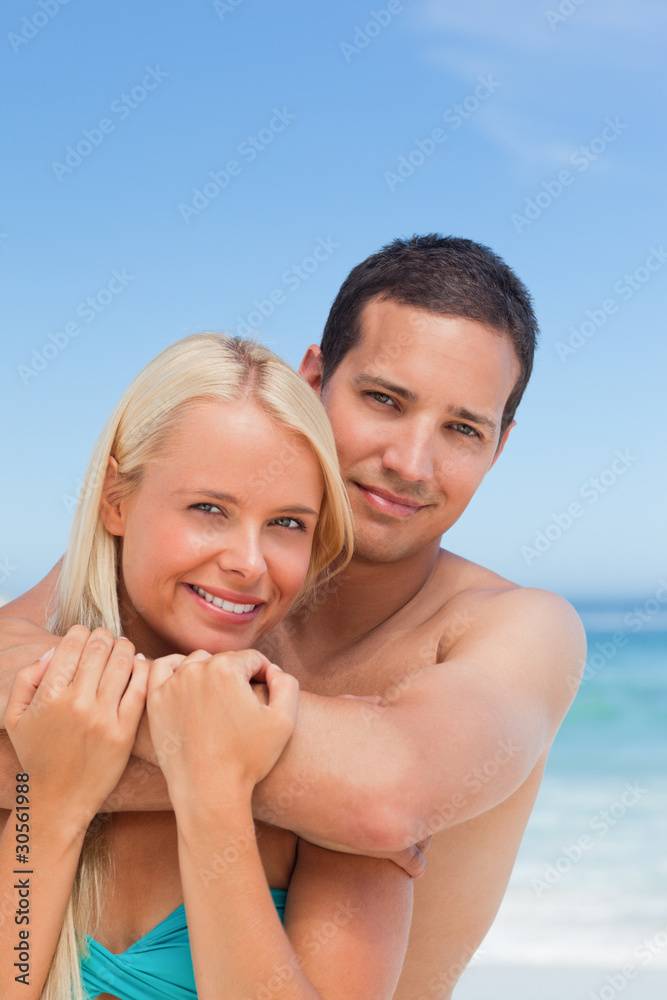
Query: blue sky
531, 129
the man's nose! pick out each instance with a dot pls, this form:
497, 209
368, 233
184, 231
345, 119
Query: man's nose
410, 453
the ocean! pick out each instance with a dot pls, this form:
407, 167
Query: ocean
590, 883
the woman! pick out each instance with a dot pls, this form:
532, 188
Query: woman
190, 536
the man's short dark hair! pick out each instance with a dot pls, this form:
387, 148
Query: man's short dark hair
445, 275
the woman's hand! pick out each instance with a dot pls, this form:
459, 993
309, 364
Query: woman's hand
72, 718
207, 725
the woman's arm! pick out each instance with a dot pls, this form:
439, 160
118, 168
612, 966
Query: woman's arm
346, 920
72, 719
34, 894
228, 743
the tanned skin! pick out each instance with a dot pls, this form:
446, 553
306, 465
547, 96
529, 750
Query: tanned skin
476, 673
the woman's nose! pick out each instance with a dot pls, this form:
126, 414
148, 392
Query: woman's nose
243, 555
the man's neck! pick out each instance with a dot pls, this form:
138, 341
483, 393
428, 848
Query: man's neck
361, 598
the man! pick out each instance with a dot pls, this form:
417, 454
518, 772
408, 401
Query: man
425, 356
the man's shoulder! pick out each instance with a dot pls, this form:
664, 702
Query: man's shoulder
476, 601
32, 606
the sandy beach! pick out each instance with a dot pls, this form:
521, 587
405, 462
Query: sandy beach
543, 982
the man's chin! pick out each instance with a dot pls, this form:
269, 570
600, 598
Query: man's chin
382, 548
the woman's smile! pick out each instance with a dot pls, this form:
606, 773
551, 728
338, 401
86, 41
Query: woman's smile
235, 607
214, 549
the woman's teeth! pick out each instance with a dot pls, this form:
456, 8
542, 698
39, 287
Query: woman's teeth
238, 609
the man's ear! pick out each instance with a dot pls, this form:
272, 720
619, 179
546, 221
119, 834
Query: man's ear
310, 368
502, 443
112, 510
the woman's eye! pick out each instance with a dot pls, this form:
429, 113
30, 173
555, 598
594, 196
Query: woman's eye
382, 397
465, 429
290, 522
207, 508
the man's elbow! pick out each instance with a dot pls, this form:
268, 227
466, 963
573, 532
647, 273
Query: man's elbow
394, 815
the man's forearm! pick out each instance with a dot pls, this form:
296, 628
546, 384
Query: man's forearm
22, 648
335, 783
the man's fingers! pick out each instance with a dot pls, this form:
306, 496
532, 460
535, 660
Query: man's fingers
283, 692
411, 860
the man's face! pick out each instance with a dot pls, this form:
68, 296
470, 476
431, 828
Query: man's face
415, 407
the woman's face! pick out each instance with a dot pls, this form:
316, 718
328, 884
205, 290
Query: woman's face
216, 542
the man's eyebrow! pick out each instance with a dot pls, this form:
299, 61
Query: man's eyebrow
456, 411
228, 498
475, 418
397, 390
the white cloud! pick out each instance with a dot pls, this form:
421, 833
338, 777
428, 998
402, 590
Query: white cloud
593, 25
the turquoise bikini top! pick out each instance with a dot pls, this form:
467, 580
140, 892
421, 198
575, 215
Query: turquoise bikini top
156, 967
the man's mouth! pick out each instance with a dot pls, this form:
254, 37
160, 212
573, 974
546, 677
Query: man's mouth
389, 503
220, 602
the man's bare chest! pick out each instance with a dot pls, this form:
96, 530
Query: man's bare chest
371, 666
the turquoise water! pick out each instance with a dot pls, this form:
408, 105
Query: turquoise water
590, 882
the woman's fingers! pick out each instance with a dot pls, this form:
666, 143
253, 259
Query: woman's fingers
162, 669
26, 682
115, 674
93, 661
64, 662
133, 700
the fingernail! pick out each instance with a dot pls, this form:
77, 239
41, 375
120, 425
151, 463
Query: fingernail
277, 667
46, 655
140, 656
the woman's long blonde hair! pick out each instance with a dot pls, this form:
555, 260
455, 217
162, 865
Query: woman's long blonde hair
207, 366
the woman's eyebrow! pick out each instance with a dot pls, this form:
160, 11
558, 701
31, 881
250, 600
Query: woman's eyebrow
228, 498
299, 510
223, 497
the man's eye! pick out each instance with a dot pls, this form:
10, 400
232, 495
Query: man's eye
382, 397
293, 523
466, 430
207, 508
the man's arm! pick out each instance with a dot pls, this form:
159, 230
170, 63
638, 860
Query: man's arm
459, 739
